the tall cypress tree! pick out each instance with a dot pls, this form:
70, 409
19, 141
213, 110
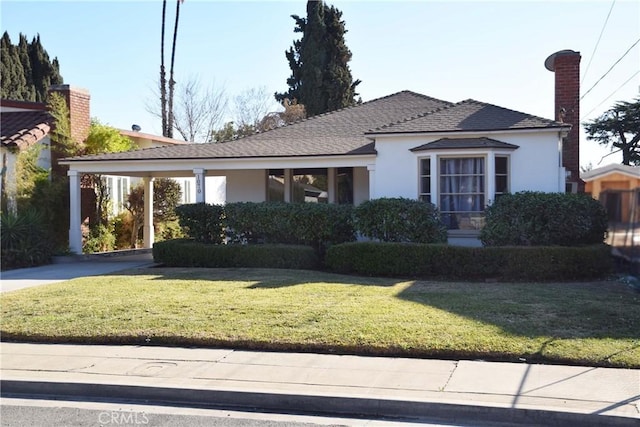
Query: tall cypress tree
11, 71
320, 76
27, 72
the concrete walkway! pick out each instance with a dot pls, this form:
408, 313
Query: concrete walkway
453, 391
74, 266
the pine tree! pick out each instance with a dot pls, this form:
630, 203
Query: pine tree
26, 72
320, 76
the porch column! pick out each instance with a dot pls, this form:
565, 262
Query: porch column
200, 185
491, 179
372, 181
435, 178
75, 222
147, 228
288, 178
331, 185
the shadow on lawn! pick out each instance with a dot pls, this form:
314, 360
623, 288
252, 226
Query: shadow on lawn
556, 310
265, 278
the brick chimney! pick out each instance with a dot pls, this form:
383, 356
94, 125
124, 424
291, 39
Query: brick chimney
566, 66
78, 101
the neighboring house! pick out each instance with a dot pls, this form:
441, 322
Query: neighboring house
618, 189
25, 124
460, 156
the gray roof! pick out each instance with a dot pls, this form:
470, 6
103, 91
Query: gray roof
344, 132
339, 132
469, 115
459, 143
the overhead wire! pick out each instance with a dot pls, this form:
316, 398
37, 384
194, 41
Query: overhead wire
611, 94
598, 42
612, 67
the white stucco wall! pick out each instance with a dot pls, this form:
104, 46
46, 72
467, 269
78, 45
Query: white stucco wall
246, 186
534, 166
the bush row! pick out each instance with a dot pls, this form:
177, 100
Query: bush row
414, 260
313, 224
187, 253
542, 263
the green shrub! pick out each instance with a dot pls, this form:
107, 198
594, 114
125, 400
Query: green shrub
315, 224
25, 240
554, 263
188, 253
122, 229
101, 238
400, 220
202, 222
544, 219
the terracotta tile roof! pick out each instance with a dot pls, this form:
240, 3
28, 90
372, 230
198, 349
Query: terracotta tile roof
459, 143
22, 129
340, 132
469, 115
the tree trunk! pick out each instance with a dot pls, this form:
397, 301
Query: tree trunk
171, 81
163, 79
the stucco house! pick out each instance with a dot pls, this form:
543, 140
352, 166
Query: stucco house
460, 156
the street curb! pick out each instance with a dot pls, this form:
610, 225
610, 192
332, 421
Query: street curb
306, 404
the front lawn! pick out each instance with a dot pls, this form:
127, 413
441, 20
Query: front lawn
292, 310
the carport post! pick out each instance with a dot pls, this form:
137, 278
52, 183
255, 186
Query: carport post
200, 185
147, 229
75, 223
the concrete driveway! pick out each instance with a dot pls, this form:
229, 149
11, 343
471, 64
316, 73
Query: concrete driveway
71, 268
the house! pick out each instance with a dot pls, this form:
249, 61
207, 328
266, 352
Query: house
618, 189
460, 156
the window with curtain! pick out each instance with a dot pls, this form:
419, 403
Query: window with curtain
462, 192
425, 179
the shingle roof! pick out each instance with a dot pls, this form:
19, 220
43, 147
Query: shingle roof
459, 143
23, 128
633, 171
469, 115
344, 132
339, 132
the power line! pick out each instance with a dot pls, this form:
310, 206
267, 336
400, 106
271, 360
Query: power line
612, 67
598, 42
610, 95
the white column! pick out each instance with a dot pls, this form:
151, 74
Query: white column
372, 180
147, 229
200, 185
75, 221
288, 181
435, 178
490, 197
331, 185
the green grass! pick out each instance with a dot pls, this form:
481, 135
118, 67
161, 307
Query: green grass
594, 324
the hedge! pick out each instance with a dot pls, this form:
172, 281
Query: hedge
541, 263
189, 253
531, 218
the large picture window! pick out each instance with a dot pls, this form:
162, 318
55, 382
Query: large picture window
462, 192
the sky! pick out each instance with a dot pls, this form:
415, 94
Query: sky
490, 51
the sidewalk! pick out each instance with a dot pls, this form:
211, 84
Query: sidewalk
453, 391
